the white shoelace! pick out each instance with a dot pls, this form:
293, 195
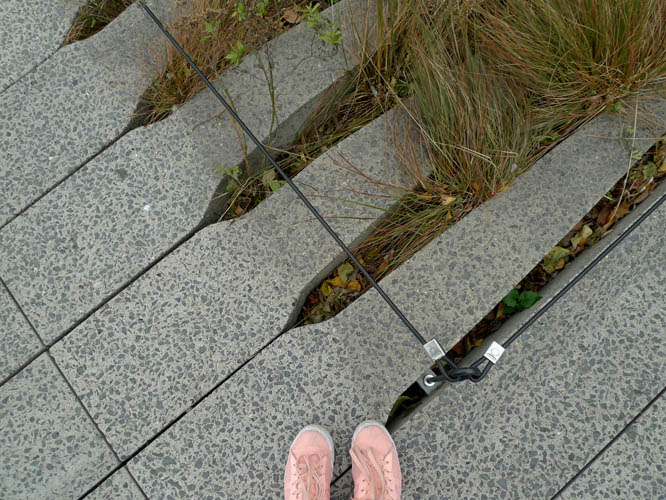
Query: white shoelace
307, 480
370, 469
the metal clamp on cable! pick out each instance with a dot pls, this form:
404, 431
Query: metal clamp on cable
464, 373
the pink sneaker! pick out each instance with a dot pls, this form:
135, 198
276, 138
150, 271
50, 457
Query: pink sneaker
310, 465
375, 465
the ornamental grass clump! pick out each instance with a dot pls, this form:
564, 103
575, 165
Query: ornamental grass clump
495, 84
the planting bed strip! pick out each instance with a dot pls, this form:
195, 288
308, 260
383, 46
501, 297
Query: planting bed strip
489, 364
432, 347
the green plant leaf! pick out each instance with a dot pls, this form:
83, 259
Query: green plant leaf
231, 185
275, 184
268, 176
511, 299
527, 299
649, 170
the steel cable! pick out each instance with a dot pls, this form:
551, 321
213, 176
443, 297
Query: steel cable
291, 184
456, 373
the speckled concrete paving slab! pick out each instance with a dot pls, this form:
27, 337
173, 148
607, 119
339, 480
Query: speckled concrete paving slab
83, 241
18, 342
566, 276
50, 448
466, 271
166, 340
343, 488
565, 388
120, 486
25, 46
417, 265
335, 374
288, 385
58, 116
633, 467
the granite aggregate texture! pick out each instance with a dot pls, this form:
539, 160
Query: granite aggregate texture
633, 467
71, 106
563, 390
161, 344
120, 486
18, 342
518, 227
50, 448
337, 366
343, 488
77, 246
336, 374
565, 276
23, 47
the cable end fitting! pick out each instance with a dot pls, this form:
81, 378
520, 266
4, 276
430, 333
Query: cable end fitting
494, 352
434, 350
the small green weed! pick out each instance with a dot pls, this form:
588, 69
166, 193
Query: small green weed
261, 8
325, 29
516, 301
210, 29
236, 54
240, 12
233, 174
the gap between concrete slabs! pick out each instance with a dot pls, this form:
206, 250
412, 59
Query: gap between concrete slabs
467, 270
353, 367
165, 341
50, 447
565, 277
23, 46
119, 486
73, 105
83, 242
565, 388
18, 341
633, 466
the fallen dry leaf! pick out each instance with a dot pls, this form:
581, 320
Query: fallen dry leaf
354, 285
291, 16
336, 282
313, 299
604, 215
581, 237
641, 197
616, 215
555, 259
662, 169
